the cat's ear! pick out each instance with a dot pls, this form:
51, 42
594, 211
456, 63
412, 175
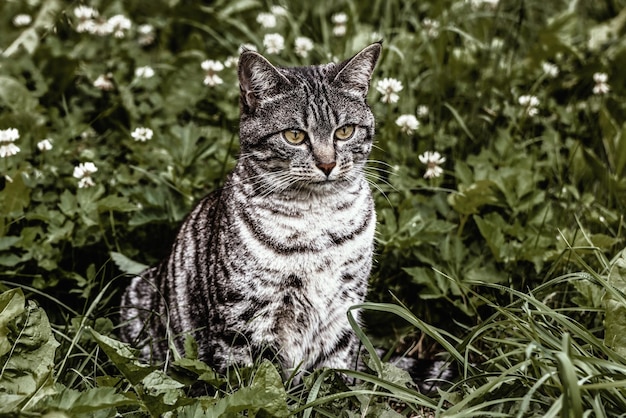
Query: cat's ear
258, 79
355, 74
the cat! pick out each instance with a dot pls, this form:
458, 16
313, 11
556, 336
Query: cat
276, 257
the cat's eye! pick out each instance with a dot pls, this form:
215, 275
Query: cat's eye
294, 136
345, 132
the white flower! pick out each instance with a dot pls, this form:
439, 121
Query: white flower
601, 86
433, 160
142, 134
273, 43
144, 72
530, 103
303, 45
119, 25
101, 28
85, 16
231, 62
407, 123
146, 34
479, 3
211, 67
104, 82
497, 44
83, 172
551, 70
22, 20
339, 18
85, 12
432, 27
340, 30
7, 137
267, 20
279, 11
389, 88
422, 111
45, 144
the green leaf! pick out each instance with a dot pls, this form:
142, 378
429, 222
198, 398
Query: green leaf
471, 198
265, 396
11, 306
7, 242
16, 195
29, 38
127, 265
124, 358
115, 203
615, 320
26, 367
87, 401
199, 370
16, 96
159, 385
68, 203
491, 230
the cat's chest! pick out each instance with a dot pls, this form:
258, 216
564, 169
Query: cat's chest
314, 224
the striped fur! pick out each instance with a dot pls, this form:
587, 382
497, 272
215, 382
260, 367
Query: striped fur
274, 259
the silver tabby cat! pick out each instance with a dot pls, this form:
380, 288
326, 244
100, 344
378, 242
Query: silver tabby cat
277, 256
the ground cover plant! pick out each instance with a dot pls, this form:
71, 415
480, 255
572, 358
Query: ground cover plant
499, 173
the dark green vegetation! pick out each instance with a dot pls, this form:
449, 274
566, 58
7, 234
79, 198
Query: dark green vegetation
510, 262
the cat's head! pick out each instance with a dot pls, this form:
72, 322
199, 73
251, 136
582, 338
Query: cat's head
306, 127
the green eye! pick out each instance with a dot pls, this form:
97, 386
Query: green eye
345, 132
294, 136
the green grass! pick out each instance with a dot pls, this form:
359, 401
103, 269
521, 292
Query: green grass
510, 264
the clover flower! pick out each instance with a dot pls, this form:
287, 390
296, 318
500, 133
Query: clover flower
85, 16
480, 3
302, 46
551, 70
530, 103
119, 25
7, 137
45, 144
273, 43
432, 160
267, 20
340, 20
431, 27
279, 11
144, 72
231, 62
211, 67
22, 20
83, 172
423, 111
601, 86
104, 82
146, 34
142, 134
389, 88
407, 123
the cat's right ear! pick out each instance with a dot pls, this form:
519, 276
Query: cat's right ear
258, 80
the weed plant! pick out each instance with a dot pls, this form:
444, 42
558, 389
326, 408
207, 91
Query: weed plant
499, 176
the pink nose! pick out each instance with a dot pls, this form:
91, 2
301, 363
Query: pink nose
326, 167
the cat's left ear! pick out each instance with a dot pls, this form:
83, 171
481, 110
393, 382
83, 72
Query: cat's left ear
355, 74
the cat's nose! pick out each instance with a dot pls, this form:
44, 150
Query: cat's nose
326, 167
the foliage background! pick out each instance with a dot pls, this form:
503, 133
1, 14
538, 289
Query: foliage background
526, 221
